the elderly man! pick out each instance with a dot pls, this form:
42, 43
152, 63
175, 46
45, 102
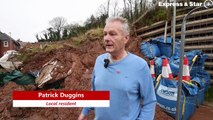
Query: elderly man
127, 77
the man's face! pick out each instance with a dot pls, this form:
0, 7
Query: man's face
114, 37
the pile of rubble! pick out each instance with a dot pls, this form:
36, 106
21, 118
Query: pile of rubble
73, 67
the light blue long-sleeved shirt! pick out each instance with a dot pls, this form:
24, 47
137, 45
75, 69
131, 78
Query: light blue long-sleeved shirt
128, 80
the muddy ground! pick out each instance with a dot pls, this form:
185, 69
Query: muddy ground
84, 58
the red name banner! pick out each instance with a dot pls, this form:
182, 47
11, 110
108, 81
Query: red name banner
61, 99
60, 95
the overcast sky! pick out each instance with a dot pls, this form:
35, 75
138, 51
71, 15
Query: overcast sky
25, 18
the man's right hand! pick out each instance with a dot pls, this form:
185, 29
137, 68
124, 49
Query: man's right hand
82, 117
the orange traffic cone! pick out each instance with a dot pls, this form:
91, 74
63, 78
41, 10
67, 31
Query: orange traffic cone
152, 68
186, 74
166, 70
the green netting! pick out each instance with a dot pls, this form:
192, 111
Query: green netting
19, 78
2, 75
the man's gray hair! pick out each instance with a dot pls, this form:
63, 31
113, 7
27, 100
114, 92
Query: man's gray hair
122, 20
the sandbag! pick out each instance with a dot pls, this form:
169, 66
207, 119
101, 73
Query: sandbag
165, 47
200, 96
176, 54
201, 89
158, 47
201, 57
197, 66
166, 93
149, 50
204, 79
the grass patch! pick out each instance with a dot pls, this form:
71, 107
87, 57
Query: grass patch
209, 94
79, 40
155, 15
25, 56
94, 34
90, 35
48, 48
28, 52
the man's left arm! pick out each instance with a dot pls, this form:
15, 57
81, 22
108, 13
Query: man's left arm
147, 94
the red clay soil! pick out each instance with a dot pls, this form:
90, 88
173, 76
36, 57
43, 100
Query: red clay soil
84, 57
10, 113
203, 113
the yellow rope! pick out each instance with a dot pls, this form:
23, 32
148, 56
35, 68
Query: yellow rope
193, 61
183, 107
158, 80
189, 83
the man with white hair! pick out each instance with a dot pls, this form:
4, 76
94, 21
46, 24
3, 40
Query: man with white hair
125, 75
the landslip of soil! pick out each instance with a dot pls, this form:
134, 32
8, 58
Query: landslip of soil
84, 58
